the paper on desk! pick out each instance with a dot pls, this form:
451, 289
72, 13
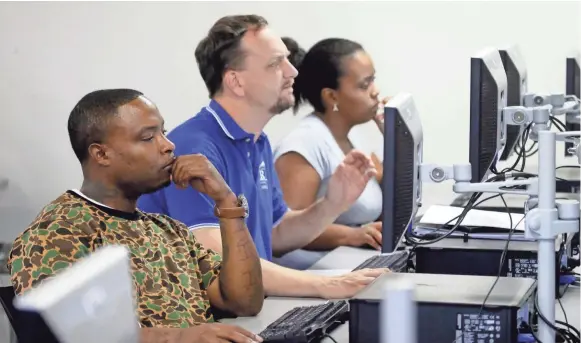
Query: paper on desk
440, 215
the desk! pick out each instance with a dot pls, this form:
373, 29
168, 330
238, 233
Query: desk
348, 258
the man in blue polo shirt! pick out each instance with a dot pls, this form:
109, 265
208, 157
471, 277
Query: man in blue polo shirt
245, 68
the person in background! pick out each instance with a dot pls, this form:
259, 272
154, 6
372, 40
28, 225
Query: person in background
119, 138
337, 78
244, 65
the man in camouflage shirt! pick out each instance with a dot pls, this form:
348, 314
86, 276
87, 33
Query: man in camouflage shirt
118, 136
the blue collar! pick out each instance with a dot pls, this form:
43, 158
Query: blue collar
227, 124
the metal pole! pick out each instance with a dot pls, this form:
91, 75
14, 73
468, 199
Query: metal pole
398, 316
546, 255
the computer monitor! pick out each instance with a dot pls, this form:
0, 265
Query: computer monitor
488, 88
91, 301
572, 88
402, 156
516, 81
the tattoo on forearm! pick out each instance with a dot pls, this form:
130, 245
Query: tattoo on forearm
241, 270
246, 249
254, 280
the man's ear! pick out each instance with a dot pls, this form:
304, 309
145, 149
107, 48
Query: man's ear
100, 154
329, 98
234, 82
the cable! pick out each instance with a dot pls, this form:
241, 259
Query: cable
575, 332
451, 220
558, 124
564, 315
535, 336
412, 238
520, 150
532, 153
563, 167
524, 152
329, 337
551, 325
416, 240
502, 259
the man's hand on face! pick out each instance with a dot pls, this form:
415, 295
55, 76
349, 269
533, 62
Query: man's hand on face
197, 171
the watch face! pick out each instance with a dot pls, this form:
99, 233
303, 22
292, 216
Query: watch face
243, 202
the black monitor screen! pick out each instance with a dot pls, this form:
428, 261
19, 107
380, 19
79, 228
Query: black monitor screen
487, 98
572, 88
402, 156
516, 86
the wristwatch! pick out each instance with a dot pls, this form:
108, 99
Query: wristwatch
241, 211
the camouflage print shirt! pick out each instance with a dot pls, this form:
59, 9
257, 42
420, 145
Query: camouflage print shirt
171, 271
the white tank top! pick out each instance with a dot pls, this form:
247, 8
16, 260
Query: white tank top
313, 140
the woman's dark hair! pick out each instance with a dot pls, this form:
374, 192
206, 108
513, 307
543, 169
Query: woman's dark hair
318, 68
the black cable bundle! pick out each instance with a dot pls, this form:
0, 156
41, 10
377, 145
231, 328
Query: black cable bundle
523, 152
567, 332
502, 257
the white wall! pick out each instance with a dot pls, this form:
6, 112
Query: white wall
53, 53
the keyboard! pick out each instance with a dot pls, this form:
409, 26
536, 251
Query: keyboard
306, 323
396, 261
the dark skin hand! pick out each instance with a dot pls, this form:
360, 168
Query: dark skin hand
291, 168
240, 287
368, 235
204, 333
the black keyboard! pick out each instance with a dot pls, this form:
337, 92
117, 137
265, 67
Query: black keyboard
306, 323
396, 261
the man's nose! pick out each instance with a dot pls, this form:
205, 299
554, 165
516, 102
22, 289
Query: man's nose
167, 145
291, 71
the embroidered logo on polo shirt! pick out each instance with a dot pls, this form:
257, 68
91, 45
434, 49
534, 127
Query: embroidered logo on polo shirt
262, 180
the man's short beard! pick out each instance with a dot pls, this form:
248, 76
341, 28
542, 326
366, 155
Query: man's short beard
281, 106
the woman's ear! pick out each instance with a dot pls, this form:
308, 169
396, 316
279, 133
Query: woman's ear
329, 98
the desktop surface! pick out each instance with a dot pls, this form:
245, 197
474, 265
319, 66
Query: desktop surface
454, 289
485, 244
482, 257
342, 259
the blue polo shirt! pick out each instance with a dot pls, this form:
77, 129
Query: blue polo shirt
246, 166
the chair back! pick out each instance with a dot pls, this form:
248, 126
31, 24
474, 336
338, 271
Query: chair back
6, 298
29, 327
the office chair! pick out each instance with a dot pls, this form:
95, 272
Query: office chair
22, 322
6, 297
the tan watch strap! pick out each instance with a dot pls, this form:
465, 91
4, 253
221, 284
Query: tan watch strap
230, 213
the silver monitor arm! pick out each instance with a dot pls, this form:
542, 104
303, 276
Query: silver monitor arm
545, 221
539, 116
574, 138
562, 104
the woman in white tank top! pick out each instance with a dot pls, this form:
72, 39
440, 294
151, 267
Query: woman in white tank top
336, 77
